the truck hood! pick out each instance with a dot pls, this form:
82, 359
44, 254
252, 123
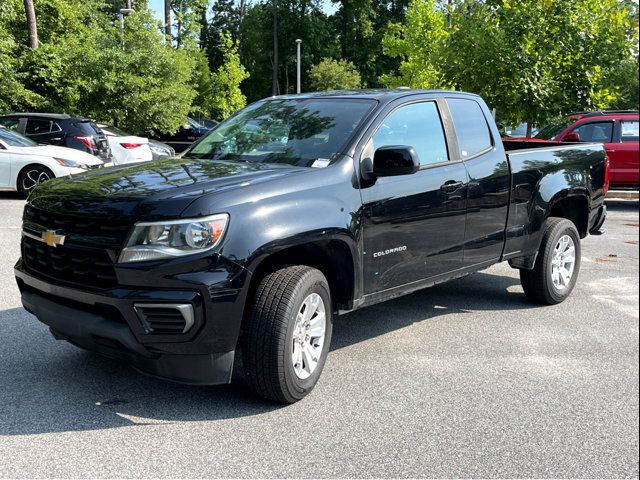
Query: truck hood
153, 190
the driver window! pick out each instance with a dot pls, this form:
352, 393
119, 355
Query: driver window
595, 132
417, 125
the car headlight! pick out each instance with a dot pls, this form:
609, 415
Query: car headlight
156, 240
71, 163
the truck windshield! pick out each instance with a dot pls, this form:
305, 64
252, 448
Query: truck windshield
551, 131
304, 133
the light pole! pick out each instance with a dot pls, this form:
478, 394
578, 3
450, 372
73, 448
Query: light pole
298, 89
123, 12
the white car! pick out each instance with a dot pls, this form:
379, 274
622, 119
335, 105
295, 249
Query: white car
126, 148
24, 164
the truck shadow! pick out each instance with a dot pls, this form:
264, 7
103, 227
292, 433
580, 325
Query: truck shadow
11, 196
50, 386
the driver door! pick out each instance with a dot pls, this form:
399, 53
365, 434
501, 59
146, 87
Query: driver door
414, 225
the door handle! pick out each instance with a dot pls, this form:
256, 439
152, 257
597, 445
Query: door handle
450, 186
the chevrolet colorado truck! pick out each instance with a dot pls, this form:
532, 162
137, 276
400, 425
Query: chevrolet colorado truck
294, 210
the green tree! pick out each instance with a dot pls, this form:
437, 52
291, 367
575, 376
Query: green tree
301, 19
226, 96
188, 22
136, 81
531, 59
332, 74
360, 26
12, 92
420, 43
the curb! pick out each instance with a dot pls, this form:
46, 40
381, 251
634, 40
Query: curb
622, 195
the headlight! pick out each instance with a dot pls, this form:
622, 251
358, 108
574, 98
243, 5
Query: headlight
71, 163
154, 240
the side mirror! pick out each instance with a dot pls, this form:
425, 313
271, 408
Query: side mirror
571, 137
394, 160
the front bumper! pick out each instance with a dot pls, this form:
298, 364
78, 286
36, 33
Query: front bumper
106, 322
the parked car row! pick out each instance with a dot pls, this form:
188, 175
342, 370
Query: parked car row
188, 133
618, 130
35, 147
24, 164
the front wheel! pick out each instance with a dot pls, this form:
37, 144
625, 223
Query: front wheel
556, 269
31, 177
287, 333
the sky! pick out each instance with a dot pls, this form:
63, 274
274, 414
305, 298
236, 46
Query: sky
158, 5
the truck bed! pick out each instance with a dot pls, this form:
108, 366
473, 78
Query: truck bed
537, 168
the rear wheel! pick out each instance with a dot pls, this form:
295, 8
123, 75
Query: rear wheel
556, 269
32, 176
287, 334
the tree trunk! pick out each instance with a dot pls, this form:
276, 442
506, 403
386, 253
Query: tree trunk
529, 129
275, 89
31, 23
167, 21
204, 27
241, 12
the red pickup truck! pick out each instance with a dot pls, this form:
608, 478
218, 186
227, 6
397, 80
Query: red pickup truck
616, 129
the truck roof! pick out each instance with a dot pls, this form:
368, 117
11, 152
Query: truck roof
373, 93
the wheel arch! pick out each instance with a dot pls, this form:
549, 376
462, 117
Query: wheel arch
573, 207
333, 257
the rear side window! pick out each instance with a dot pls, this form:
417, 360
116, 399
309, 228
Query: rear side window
472, 129
416, 125
10, 123
88, 127
629, 131
37, 126
595, 132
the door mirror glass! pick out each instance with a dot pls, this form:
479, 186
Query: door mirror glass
393, 160
571, 137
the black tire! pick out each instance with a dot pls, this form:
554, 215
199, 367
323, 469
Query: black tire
31, 176
268, 336
538, 284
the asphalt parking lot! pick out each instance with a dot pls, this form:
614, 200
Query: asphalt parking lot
465, 379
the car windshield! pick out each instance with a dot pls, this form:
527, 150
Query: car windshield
14, 139
304, 133
551, 131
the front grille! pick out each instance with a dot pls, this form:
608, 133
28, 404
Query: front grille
91, 267
86, 258
80, 229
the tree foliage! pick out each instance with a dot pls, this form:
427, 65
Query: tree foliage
226, 97
332, 74
531, 59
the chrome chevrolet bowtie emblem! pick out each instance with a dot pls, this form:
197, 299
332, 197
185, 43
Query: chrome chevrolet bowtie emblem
52, 238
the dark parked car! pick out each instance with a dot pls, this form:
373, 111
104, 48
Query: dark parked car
296, 209
184, 136
62, 130
207, 122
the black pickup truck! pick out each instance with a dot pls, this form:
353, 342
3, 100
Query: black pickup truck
296, 209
